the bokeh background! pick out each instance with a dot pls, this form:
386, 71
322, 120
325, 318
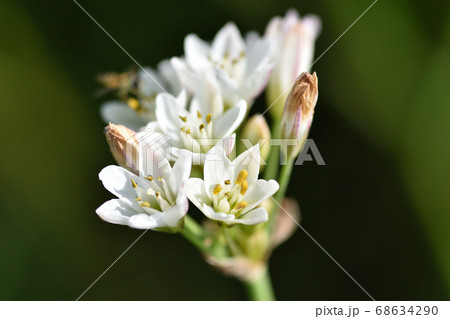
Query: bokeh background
380, 206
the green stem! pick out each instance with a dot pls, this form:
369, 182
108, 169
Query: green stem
261, 289
283, 180
194, 233
273, 162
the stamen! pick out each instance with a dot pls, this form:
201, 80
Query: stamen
138, 199
145, 204
227, 182
201, 127
150, 178
183, 128
199, 115
157, 194
208, 118
244, 187
183, 118
240, 205
217, 189
242, 176
133, 183
188, 131
133, 103
159, 178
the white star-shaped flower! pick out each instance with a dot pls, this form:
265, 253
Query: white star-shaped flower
151, 200
241, 67
231, 191
198, 129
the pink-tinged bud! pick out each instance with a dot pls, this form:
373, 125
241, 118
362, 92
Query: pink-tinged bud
287, 221
293, 40
123, 145
298, 113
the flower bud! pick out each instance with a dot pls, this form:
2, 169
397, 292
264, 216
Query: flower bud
256, 131
293, 39
123, 145
298, 113
286, 224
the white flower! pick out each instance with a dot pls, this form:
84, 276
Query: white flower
138, 95
231, 191
202, 126
152, 200
242, 67
293, 41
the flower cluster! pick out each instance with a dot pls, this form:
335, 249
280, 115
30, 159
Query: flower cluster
177, 135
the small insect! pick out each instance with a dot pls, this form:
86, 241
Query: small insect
124, 83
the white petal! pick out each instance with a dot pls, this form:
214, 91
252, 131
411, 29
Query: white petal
144, 221
118, 112
208, 98
195, 190
116, 211
248, 160
258, 53
153, 148
168, 112
217, 168
228, 122
255, 83
258, 192
228, 39
189, 79
174, 214
180, 171
169, 75
117, 180
256, 216
209, 212
149, 82
312, 24
196, 51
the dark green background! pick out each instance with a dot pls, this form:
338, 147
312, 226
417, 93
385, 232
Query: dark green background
380, 206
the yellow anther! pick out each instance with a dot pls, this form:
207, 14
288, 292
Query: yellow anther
133, 103
241, 205
183, 128
133, 183
201, 127
145, 204
138, 199
244, 187
242, 176
217, 189
188, 131
150, 178
183, 118
199, 115
157, 194
227, 194
208, 118
227, 182
159, 178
